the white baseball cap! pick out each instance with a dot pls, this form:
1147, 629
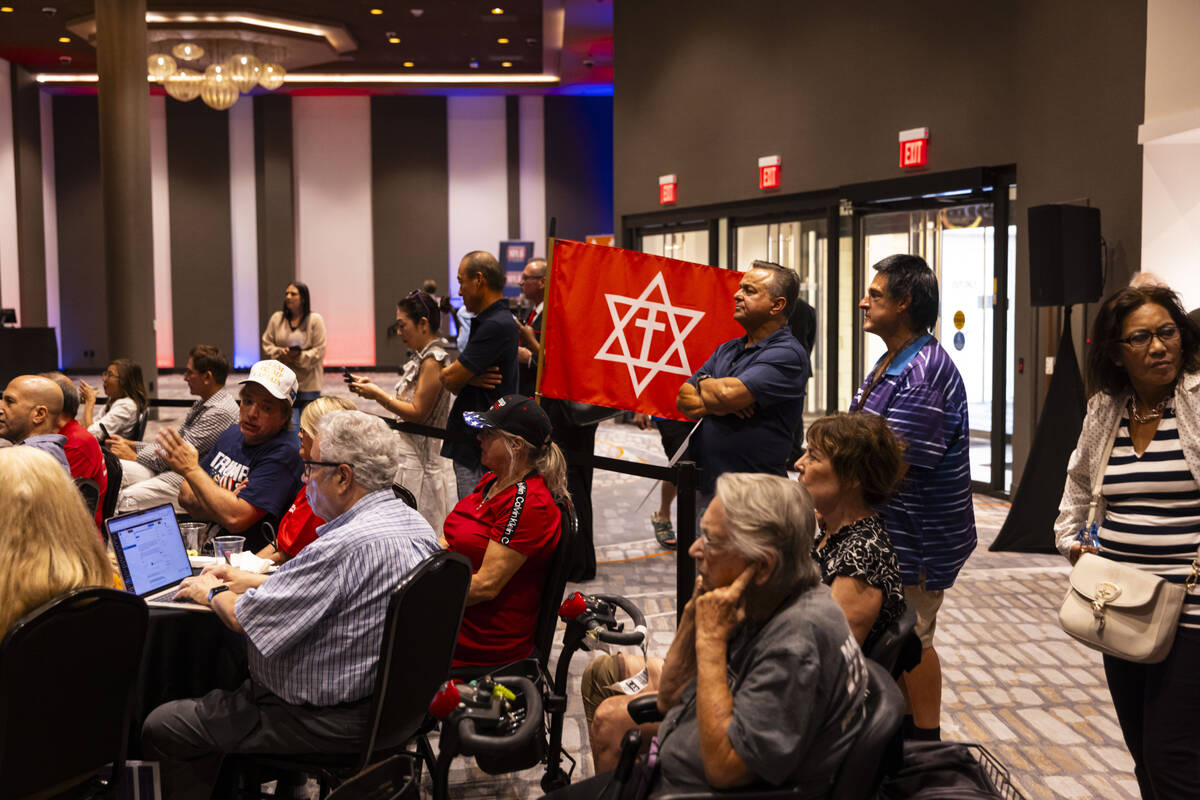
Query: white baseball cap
276, 377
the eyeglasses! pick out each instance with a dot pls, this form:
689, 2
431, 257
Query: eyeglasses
309, 464
525, 278
1140, 340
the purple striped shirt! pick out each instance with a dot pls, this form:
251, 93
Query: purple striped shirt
931, 518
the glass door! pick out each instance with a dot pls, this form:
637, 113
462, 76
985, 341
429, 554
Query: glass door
799, 245
958, 243
684, 245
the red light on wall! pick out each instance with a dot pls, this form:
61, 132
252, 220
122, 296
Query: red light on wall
666, 189
768, 172
914, 147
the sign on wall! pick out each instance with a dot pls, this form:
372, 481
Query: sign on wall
914, 148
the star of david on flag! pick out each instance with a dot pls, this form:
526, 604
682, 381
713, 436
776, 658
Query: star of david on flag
624, 329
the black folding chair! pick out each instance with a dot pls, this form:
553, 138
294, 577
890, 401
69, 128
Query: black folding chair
112, 466
67, 676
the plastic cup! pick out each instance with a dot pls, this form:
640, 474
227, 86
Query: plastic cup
192, 531
226, 546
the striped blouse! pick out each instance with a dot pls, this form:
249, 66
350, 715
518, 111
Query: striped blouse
1152, 514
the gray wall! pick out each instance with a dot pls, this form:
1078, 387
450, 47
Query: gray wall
1055, 88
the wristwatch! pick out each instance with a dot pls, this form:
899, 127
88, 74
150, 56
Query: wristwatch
216, 590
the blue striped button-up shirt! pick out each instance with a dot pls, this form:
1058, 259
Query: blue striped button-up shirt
315, 626
930, 519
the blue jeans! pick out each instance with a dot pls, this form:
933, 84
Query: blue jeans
302, 399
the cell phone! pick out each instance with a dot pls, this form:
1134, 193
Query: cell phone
346, 376
104, 434
294, 348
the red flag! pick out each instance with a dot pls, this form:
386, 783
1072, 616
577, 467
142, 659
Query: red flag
625, 329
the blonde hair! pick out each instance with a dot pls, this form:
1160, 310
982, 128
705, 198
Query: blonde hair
319, 408
48, 540
549, 462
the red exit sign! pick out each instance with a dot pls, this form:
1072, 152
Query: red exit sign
768, 172
666, 189
914, 147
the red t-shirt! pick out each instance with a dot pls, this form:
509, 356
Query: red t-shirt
500, 630
86, 460
298, 527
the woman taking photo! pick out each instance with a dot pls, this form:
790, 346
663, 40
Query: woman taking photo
126, 400
420, 397
48, 541
1144, 371
852, 464
508, 527
295, 335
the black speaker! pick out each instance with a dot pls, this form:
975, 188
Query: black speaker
1064, 255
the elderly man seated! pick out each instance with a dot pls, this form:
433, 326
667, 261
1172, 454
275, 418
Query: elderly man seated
250, 476
146, 478
763, 685
29, 410
314, 627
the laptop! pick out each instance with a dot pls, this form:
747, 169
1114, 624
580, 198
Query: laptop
152, 556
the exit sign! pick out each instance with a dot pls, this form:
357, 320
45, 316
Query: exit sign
666, 189
914, 147
768, 172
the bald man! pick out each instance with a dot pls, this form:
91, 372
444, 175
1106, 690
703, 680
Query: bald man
29, 412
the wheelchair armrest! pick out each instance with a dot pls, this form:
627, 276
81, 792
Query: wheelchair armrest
644, 709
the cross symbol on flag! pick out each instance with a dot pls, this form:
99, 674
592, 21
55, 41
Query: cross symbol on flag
650, 324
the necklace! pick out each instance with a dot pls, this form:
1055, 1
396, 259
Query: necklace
1151, 415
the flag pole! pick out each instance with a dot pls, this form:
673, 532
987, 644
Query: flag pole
537, 384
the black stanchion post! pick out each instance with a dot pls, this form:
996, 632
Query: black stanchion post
685, 534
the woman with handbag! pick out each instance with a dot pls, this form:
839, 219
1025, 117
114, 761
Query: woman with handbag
1138, 459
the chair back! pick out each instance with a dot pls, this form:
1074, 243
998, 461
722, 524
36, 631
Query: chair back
112, 466
139, 426
67, 676
420, 633
556, 583
90, 490
402, 493
887, 649
862, 771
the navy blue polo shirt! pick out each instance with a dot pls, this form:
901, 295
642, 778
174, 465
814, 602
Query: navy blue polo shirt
492, 342
776, 371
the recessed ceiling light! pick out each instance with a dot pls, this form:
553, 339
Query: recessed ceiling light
64, 39
497, 10
409, 64
376, 11
506, 63
393, 40
502, 40
6, 9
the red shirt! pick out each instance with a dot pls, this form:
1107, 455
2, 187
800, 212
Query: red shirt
500, 630
86, 460
298, 527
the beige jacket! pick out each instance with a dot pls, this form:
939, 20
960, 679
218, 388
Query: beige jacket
310, 336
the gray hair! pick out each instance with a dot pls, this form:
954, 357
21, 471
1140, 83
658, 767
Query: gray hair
771, 514
365, 442
70, 392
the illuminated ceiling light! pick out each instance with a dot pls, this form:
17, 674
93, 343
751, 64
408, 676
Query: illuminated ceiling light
64, 40
506, 63
270, 76
243, 69
184, 84
502, 40
218, 90
409, 64
393, 40
6, 9
159, 66
350, 78
377, 11
187, 51
497, 10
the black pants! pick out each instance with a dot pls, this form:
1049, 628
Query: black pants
1158, 706
577, 439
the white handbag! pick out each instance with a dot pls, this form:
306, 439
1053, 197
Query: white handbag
1118, 609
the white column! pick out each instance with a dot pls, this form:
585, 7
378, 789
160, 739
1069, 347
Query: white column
10, 280
160, 216
243, 207
477, 163
533, 172
50, 217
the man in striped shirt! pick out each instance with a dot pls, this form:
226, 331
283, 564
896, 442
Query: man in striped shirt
930, 519
314, 627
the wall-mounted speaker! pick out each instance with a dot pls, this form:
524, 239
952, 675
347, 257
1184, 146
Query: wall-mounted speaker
1065, 262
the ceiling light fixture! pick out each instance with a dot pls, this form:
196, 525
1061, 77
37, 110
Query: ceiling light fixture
506, 64
359, 77
502, 40
409, 64
64, 39
497, 10
6, 9
393, 40
187, 51
377, 11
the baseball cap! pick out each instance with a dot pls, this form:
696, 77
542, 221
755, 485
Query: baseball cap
515, 414
276, 377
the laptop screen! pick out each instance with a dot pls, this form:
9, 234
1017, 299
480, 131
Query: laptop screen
149, 549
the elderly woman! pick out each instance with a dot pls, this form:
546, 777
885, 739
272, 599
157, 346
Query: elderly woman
48, 542
508, 527
852, 464
420, 397
763, 684
298, 527
1144, 370
126, 393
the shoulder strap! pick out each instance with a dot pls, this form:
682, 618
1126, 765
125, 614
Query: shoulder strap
1098, 482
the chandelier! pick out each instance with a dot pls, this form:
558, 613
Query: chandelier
217, 71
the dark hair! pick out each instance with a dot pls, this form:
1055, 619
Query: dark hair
418, 306
305, 307
206, 358
481, 261
861, 448
129, 376
910, 277
70, 392
429, 286
785, 283
1103, 372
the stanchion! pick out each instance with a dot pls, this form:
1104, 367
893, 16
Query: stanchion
685, 534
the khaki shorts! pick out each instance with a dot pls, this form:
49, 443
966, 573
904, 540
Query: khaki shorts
926, 603
598, 679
